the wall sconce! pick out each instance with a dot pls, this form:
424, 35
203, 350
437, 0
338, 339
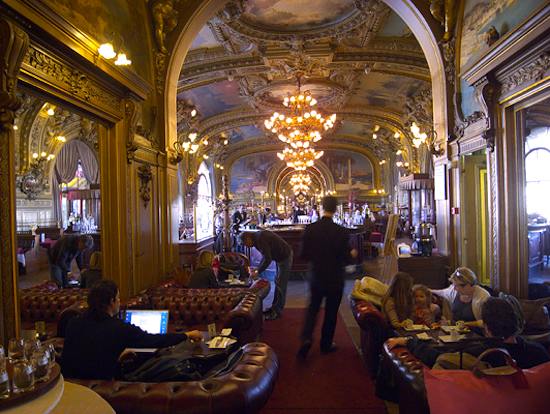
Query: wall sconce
429, 138
107, 51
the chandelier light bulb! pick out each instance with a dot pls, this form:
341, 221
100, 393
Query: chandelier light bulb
34, 155
192, 136
50, 112
397, 135
193, 113
43, 154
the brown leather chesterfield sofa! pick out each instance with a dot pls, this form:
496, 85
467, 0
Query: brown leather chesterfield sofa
238, 309
407, 371
46, 302
374, 331
244, 390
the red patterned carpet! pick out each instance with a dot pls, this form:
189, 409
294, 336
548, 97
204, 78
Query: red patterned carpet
335, 383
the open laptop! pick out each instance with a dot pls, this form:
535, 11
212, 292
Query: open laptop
151, 321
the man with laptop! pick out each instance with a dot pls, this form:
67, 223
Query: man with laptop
95, 340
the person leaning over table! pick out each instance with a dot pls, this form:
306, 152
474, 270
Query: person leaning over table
95, 340
501, 326
465, 297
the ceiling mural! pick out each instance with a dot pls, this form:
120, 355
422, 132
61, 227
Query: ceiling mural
205, 39
214, 98
357, 58
296, 15
482, 17
112, 21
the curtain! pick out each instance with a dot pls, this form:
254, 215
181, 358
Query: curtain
89, 163
67, 162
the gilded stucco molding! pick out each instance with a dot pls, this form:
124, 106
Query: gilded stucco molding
145, 176
527, 73
13, 46
39, 64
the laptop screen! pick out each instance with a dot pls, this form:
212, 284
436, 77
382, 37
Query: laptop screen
151, 321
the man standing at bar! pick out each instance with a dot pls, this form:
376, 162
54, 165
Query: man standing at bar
272, 247
326, 247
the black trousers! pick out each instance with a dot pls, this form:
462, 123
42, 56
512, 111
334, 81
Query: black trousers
332, 296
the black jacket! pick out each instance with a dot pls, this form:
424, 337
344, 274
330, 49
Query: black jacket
93, 345
64, 251
272, 247
326, 247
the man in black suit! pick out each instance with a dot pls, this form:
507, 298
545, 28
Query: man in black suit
326, 247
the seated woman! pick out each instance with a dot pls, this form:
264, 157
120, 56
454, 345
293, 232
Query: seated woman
501, 324
203, 276
465, 297
397, 304
425, 312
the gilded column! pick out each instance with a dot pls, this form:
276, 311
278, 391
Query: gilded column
13, 46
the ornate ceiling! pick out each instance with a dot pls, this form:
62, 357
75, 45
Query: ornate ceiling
357, 57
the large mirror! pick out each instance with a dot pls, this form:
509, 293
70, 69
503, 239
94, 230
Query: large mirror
58, 187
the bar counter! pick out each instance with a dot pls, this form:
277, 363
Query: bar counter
293, 235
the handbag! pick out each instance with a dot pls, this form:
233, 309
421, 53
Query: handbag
504, 389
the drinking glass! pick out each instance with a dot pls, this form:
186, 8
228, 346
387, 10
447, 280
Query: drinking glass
23, 376
4, 379
16, 349
41, 364
51, 353
31, 346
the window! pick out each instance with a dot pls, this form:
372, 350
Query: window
537, 173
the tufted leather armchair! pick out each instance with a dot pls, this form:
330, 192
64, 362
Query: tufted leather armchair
374, 331
408, 373
244, 390
238, 309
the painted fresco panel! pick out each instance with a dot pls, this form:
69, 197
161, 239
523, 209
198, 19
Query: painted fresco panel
250, 173
479, 16
244, 133
101, 19
296, 14
349, 169
382, 90
215, 98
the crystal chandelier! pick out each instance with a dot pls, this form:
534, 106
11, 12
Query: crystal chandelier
299, 129
302, 123
300, 183
299, 159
